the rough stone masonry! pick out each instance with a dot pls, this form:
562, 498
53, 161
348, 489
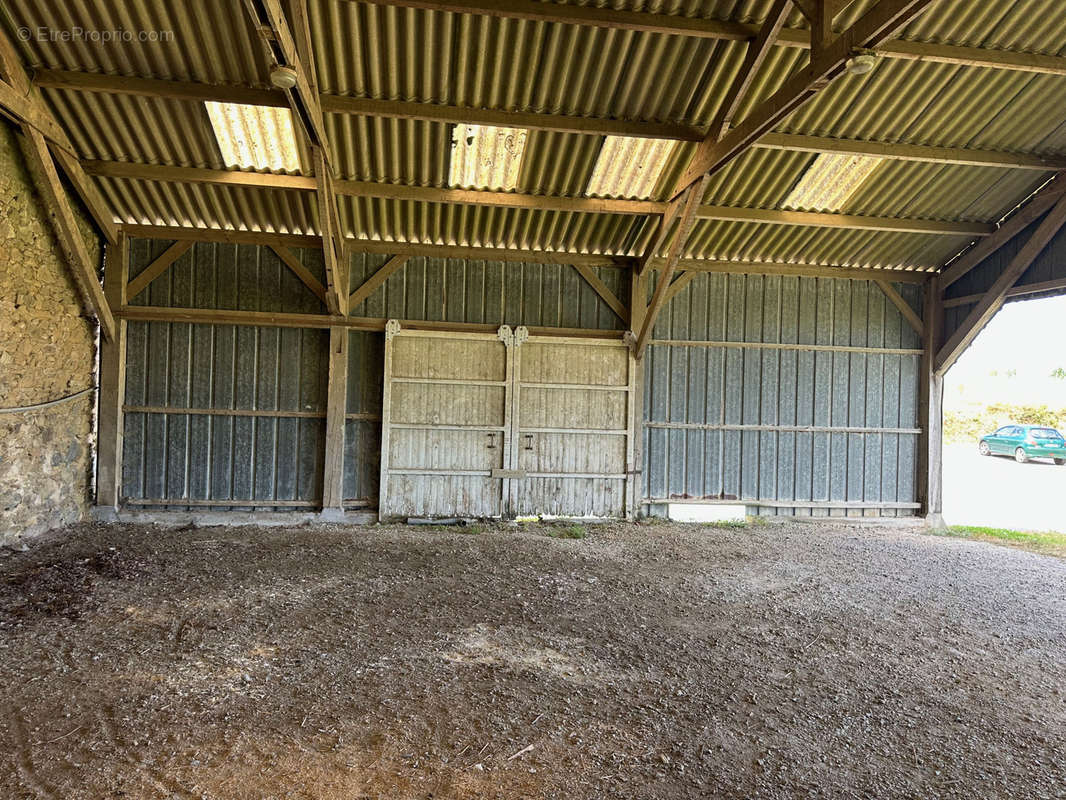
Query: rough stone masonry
47, 351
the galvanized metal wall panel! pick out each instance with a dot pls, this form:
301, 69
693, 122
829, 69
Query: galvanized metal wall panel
724, 421
362, 428
171, 366
496, 292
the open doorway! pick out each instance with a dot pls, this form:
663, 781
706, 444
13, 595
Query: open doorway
1013, 376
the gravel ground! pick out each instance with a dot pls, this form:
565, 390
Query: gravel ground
644, 661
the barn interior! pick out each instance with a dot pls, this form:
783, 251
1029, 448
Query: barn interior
485, 259
556, 269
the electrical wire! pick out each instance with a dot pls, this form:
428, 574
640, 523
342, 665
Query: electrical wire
36, 406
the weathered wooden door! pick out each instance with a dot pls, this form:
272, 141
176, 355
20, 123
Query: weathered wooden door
445, 423
573, 424
500, 425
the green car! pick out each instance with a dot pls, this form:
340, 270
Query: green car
1025, 442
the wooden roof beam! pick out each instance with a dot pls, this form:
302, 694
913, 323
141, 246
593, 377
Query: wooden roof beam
560, 123
993, 299
1025, 216
591, 205
570, 14
873, 28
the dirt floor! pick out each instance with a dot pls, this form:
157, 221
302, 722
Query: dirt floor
644, 661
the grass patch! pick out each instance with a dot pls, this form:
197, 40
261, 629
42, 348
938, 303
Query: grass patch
1044, 542
569, 532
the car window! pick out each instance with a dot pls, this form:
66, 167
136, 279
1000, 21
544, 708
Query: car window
1046, 433
1004, 431
1014, 430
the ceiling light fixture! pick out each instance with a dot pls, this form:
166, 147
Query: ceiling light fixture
283, 77
862, 62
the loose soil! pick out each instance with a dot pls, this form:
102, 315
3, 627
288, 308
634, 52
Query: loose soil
644, 661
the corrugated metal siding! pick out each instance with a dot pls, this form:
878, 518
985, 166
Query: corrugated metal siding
706, 388
1048, 266
362, 428
174, 365
496, 292
277, 459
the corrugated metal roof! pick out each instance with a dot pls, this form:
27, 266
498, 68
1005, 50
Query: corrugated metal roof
386, 52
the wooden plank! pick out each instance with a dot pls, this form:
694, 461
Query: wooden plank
332, 239
1019, 221
677, 285
336, 406
662, 229
638, 299
191, 91
90, 196
1015, 291
375, 281
930, 411
822, 219
878, 24
996, 294
685, 223
225, 236
598, 286
958, 156
904, 307
300, 271
57, 206
110, 423
156, 268
757, 52
802, 270
677, 25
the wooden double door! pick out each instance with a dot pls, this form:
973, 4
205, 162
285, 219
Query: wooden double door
506, 425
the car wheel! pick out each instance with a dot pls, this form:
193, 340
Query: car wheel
1021, 456
1060, 461
984, 449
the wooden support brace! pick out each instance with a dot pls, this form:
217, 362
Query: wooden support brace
688, 218
375, 281
332, 240
65, 225
155, 269
904, 307
609, 297
336, 405
112, 392
993, 299
289, 259
677, 285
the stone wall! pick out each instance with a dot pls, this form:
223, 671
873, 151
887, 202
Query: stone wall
47, 351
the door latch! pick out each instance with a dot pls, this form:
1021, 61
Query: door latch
529, 441
492, 441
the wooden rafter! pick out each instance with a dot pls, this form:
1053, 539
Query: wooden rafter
676, 25
289, 259
677, 285
281, 42
993, 299
601, 288
592, 205
376, 281
23, 101
332, 238
1025, 216
758, 49
139, 283
1020, 290
873, 28
400, 109
68, 235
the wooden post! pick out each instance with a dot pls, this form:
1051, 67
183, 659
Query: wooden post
336, 408
112, 392
931, 410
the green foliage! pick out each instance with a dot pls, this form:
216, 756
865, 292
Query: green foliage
968, 428
1047, 542
569, 532
1059, 373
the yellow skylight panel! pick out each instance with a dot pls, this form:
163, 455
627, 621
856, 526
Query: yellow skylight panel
830, 181
255, 137
486, 157
629, 166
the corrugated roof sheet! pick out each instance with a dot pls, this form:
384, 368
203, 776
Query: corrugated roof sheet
386, 52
